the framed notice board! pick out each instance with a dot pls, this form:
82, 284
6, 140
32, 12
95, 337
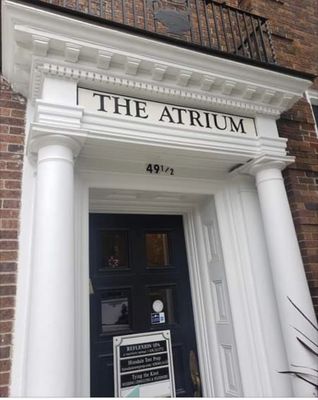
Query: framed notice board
143, 365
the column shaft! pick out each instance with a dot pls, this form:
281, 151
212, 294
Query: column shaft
50, 359
287, 270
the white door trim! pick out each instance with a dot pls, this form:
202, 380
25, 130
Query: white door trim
202, 303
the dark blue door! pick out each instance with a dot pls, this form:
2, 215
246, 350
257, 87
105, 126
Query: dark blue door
138, 268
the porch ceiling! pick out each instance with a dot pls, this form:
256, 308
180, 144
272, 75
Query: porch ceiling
186, 163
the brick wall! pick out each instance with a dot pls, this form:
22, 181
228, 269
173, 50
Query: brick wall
294, 26
301, 180
12, 113
199, 22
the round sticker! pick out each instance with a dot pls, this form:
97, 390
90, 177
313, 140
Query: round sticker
157, 306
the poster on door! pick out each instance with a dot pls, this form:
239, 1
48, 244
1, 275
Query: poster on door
143, 365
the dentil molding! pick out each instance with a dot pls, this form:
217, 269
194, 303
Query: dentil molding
155, 90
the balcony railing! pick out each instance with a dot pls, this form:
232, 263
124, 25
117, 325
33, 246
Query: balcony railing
204, 23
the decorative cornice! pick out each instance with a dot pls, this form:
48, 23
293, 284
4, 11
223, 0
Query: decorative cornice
132, 85
40, 45
72, 52
40, 42
104, 59
158, 72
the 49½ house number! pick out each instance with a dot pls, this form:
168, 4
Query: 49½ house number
159, 169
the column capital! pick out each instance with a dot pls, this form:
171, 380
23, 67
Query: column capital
44, 139
264, 163
60, 140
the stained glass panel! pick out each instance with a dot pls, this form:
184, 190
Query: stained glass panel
115, 249
157, 249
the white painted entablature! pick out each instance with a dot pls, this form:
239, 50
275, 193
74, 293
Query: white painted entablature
45, 50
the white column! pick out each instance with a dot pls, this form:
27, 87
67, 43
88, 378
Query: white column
287, 268
50, 365
271, 355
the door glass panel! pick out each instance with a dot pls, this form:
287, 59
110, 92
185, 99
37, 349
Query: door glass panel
166, 295
115, 311
157, 249
115, 249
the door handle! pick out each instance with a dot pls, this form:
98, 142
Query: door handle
195, 374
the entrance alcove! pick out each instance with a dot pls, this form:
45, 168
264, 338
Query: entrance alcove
221, 259
214, 332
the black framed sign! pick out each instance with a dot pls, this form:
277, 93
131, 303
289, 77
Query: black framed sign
143, 365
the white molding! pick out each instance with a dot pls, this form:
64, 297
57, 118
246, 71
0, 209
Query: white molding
53, 114
134, 143
159, 72
132, 65
203, 328
72, 52
226, 377
40, 45
142, 141
104, 59
134, 85
253, 364
311, 96
184, 78
249, 364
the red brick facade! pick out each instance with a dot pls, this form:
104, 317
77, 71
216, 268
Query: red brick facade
294, 29
12, 119
301, 180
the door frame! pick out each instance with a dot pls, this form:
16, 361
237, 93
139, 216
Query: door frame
82, 209
253, 364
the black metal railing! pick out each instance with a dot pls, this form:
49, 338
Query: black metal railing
205, 23
239, 32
